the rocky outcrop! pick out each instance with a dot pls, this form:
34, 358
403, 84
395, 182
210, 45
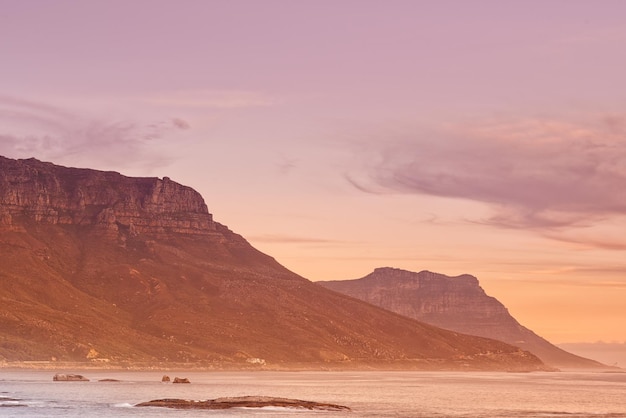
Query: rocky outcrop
181, 380
244, 402
69, 378
455, 303
52, 194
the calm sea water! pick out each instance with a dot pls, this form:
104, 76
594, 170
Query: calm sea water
368, 394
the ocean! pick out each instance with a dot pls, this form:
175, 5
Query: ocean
28, 393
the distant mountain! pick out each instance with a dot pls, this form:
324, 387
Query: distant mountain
612, 353
455, 303
96, 266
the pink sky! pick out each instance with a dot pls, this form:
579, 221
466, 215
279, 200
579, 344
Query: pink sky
481, 137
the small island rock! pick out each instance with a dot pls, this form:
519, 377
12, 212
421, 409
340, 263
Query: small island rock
181, 380
244, 402
60, 377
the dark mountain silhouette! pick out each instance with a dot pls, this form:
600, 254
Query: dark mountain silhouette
455, 303
96, 266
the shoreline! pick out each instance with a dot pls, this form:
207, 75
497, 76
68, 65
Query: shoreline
403, 365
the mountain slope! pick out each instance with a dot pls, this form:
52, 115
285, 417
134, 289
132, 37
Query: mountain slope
102, 267
455, 303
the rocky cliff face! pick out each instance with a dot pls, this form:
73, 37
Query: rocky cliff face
50, 194
455, 303
102, 268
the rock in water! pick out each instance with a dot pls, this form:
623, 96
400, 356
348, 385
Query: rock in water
244, 402
59, 377
165, 378
181, 380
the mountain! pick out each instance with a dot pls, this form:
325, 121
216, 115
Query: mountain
100, 267
613, 353
455, 303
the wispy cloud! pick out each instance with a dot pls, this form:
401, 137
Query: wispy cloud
216, 99
285, 165
33, 129
535, 173
604, 238
570, 279
289, 239
598, 345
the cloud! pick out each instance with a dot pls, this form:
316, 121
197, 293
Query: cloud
180, 124
594, 238
363, 187
534, 173
286, 165
35, 115
571, 279
33, 129
288, 239
598, 345
216, 99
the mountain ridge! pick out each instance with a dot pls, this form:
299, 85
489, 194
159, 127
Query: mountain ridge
147, 204
102, 268
457, 303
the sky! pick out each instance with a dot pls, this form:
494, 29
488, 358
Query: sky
481, 137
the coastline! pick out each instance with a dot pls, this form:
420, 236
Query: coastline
427, 365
